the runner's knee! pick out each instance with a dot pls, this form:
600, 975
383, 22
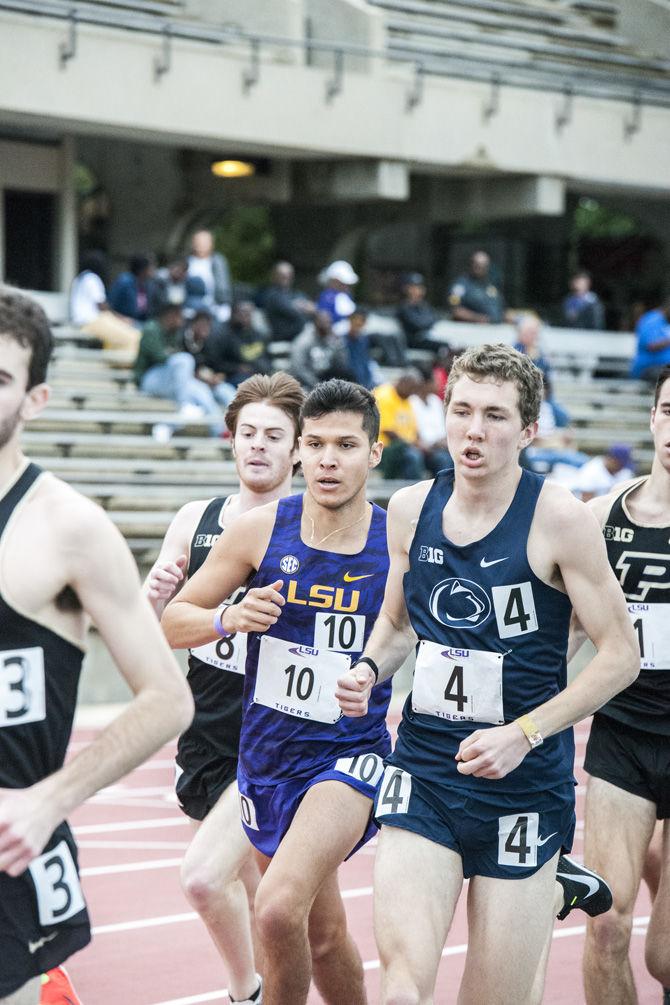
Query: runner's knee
657, 958
200, 884
279, 914
326, 937
610, 932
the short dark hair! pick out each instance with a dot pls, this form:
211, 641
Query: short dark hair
337, 395
138, 263
662, 377
24, 321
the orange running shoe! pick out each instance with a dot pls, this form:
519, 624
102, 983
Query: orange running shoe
57, 988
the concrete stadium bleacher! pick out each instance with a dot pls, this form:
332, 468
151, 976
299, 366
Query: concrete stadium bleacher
89, 436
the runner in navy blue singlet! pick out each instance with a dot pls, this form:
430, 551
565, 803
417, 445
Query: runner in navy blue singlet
60, 560
219, 874
485, 564
628, 752
307, 776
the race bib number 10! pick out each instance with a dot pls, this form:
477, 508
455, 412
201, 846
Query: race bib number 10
458, 684
299, 681
22, 692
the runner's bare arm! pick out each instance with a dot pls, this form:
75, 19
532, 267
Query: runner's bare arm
392, 638
106, 582
189, 619
600, 607
600, 507
168, 573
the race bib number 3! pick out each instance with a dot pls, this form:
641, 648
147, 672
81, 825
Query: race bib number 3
229, 653
59, 895
298, 680
652, 625
461, 685
22, 692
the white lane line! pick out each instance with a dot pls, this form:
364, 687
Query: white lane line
177, 919
219, 995
112, 870
113, 791
134, 845
131, 825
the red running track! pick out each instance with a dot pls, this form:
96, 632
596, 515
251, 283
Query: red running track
150, 949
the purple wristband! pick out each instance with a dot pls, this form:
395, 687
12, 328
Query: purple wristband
218, 626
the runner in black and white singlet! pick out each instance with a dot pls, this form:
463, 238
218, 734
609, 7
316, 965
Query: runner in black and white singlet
219, 874
307, 776
628, 752
485, 563
51, 577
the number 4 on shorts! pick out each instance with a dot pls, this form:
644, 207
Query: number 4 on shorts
394, 792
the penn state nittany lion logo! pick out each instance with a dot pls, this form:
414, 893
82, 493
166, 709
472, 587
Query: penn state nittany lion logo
289, 564
459, 603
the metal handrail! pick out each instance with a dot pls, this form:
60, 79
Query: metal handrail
464, 67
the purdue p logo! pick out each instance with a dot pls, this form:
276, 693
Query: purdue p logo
640, 572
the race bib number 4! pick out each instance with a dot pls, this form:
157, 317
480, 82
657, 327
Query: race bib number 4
229, 653
461, 685
299, 681
652, 624
22, 692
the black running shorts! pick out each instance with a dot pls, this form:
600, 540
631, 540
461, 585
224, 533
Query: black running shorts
203, 775
43, 916
632, 759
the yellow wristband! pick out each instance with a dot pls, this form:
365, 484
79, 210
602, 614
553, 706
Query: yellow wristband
530, 731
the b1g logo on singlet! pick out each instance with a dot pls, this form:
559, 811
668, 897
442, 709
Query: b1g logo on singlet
206, 540
462, 603
612, 533
640, 572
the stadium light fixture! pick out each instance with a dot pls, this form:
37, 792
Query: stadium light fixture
233, 169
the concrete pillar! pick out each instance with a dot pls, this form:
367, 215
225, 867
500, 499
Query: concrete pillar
67, 238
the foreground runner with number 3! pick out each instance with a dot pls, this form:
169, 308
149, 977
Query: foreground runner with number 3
318, 564
485, 563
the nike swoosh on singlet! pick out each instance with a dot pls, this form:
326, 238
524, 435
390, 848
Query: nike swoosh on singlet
34, 946
542, 841
592, 885
484, 564
352, 579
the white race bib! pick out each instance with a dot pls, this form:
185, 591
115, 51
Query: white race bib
59, 894
22, 691
458, 684
299, 681
229, 653
652, 624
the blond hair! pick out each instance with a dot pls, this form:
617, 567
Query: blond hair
500, 363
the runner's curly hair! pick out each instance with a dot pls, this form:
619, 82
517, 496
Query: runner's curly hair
501, 363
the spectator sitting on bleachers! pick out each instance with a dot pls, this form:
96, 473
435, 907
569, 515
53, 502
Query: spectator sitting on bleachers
430, 420
653, 343
600, 475
212, 267
583, 308
336, 298
286, 309
362, 366
164, 370
474, 297
132, 293
528, 330
90, 311
198, 334
398, 430
554, 443
414, 313
170, 283
319, 354
238, 348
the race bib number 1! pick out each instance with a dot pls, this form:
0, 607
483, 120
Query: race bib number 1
461, 685
652, 625
298, 680
22, 691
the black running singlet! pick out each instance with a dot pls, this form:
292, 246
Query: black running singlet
39, 676
640, 557
216, 670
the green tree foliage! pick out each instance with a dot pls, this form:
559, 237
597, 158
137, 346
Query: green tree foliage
247, 240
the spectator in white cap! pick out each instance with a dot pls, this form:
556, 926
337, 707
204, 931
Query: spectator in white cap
336, 298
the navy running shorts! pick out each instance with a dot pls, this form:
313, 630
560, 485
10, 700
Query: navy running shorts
501, 835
